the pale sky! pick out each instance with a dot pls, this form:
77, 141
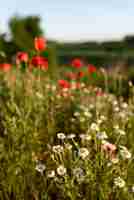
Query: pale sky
70, 20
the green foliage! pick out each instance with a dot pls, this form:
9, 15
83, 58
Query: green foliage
33, 110
24, 30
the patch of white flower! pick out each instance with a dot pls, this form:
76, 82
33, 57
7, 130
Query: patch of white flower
82, 119
71, 136
78, 174
57, 149
94, 127
125, 154
85, 137
87, 114
83, 153
61, 136
119, 182
76, 114
40, 167
101, 135
51, 174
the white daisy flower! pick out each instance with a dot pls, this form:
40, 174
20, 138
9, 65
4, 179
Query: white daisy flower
61, 136
51, 174
40, 167
61, 170
83, 153
57, 149
119, 182
71, 136
85, 137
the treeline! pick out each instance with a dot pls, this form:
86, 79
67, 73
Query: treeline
100, 53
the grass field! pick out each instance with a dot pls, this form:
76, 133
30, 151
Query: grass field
64, 138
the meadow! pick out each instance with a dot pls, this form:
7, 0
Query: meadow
66, 135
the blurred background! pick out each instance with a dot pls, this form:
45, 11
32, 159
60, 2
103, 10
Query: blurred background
99, 32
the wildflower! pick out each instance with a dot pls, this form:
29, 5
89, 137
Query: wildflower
103, 118
77, 63
101, 135
115, 103
80, 74
85, 137
116, 109
116, 127
124, 105
120, 132
61, 136
21, 57
119, 182
91, 69
71, 75
132, 189
87, 114
61, 170
82, 119
57, 149
91, 106
5, 67
68, 146
73, 119
71, 136
125, 154
48, 86
114, 160
83, 85
109, 149
122, 115
39, 95
94, 127
79, 174
40, 62
53, 88
76, 114
99, 121
85, 90
51, 174
39, 43
63, 83
83, 152
73, 86
40, 167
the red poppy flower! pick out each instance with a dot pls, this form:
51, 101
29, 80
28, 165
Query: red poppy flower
80, 74
5, 67
64, 83
39, 43
77, 63
21, 57
71, 75
91, 68
40, 62
78, 85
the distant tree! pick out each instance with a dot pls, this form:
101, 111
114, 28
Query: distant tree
23, 30
129, 41
7, 48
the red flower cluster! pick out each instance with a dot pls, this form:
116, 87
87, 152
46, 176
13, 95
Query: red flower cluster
40, 62
71, 75
64, 83
5, 67
91, 69
21, 57
36, 61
